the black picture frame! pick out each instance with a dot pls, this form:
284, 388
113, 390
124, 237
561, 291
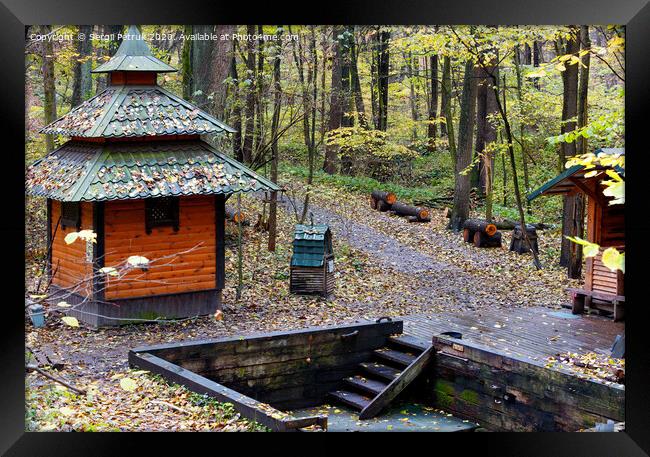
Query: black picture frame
635, 14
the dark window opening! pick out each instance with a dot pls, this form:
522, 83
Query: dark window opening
161, 212
71, 215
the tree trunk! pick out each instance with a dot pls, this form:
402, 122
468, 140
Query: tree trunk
49, 89
485, 131
412, 96
446, 106
536, 61
236, 111
347, 120
336, 108
433, 103
356, 85
83, 84
260, 102
383, 69
460, 210
572, 203
249, 109
575, 251
524, 158
186, 64
277, 105
310, 134
221, 57
201, 71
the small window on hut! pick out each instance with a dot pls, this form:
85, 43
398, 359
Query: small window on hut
71, 215
161, 212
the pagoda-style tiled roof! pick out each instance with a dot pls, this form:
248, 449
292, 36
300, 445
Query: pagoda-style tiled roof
129, 111
134, 55
83, 171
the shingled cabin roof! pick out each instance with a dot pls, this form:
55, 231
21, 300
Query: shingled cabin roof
83, 171
563, 183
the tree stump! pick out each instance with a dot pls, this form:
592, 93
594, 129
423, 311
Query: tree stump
518, 243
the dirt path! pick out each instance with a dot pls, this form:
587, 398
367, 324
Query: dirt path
451, 274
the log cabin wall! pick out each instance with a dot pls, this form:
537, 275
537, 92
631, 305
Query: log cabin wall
69, 264
192, 271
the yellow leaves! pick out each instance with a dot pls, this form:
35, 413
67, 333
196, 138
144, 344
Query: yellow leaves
590, 249
63, 304
560, 67
110, 271
128, 384
613, 259
615, 188
71, 321
86, 235
137, 261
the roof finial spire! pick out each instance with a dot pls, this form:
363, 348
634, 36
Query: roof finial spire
134, 54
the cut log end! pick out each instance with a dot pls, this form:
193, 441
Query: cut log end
387, 197
491, 229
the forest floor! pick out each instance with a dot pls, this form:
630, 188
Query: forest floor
385, 266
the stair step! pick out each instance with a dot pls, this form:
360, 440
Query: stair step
371, 386
409, 342
355, 400
380, 370
399, 357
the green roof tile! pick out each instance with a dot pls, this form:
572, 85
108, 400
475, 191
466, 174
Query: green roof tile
80, 171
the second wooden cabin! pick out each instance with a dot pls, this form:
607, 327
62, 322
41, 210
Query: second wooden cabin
312, 263
604, 288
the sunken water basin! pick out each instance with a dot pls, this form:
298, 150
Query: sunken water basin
305, 379
370, 376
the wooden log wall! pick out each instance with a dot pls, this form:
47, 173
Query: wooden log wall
602, 279
69, 264
126, 236
507, 393
288, 370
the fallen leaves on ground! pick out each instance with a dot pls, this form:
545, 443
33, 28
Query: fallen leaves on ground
590, 365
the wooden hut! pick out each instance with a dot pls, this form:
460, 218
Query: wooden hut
137, 173
603, 288
312, 263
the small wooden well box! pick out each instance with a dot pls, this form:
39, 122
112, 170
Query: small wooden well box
312, 263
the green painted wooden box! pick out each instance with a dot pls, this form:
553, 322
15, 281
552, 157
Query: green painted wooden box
312, 262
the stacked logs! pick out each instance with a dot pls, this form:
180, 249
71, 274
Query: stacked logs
387, 201
482, 233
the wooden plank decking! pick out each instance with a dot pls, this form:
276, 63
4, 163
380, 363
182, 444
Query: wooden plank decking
533, 333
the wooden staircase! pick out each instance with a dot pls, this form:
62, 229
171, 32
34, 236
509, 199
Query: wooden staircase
382, 379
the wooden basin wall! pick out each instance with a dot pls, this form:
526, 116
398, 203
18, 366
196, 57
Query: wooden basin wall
504, 392
287, 370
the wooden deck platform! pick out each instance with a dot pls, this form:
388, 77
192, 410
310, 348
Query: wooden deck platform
532, 333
